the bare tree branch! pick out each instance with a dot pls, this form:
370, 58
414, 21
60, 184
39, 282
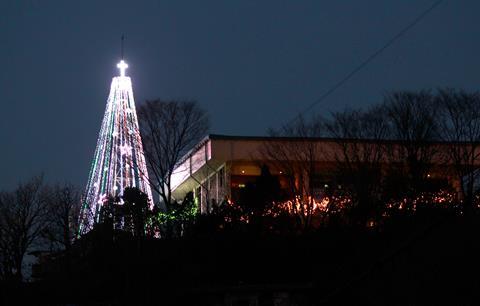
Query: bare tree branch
460, 126
22, 219
297, 160
169, 130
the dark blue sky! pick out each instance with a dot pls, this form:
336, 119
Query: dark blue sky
251, 64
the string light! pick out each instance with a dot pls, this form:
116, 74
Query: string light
119, 160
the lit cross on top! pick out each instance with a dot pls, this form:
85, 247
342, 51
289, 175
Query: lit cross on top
122, 66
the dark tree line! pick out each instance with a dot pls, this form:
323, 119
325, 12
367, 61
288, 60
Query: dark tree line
35, 216
387, 153
407, 132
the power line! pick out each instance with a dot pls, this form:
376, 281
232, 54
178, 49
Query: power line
368, 59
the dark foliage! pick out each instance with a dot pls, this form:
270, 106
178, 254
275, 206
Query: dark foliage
406, 263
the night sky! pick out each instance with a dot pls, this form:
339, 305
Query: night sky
251, 64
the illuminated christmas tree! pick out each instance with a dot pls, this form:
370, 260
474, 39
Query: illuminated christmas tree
119, 161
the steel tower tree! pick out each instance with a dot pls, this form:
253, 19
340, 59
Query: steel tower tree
119, 160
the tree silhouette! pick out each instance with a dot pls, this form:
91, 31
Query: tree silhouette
169, 130
413, 125
297, 159
23, 217
460, 126
259, 196
135, 211
360, 138
63, 204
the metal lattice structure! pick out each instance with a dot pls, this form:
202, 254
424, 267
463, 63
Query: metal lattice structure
119, 160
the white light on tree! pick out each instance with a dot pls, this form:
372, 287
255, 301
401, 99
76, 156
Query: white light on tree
119, 161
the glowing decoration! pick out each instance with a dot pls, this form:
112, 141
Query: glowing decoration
122, 66
119, 161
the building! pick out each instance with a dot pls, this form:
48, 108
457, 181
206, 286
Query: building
220, 166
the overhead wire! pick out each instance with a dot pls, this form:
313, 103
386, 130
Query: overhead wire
369, 59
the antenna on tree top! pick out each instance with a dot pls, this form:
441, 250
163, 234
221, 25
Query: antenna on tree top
122, 46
